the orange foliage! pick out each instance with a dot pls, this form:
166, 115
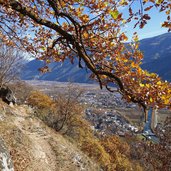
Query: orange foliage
39, 100
119, 152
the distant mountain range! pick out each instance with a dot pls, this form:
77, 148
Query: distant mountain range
157, 58
59, 71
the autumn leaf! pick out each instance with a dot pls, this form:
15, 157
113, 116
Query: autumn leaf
158, 2
151, 99
86, 35
124, 37
147, 17
168, 12
142, 85
145, 1
84, 18
159, 83
114, 14
148, 8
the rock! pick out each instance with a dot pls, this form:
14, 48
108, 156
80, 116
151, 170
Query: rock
6, 163
7, 95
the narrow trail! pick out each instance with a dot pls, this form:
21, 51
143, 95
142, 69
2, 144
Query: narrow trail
44, 158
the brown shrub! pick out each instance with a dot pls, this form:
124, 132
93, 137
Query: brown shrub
40, 100
119, 152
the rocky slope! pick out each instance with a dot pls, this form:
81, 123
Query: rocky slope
35, 147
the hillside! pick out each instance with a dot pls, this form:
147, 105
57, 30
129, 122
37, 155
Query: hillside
34, 146
157, 55
157, 47
157, 58
61, 71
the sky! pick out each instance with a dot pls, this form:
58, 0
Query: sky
151, 29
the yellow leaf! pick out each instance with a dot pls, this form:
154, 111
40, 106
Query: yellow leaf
151, 100
166, 101
123, 21
159, 2
141, 85
43, 48
123, 2
106, 4
48, 61
135, 38
133, 65
168, 12
85, 35
148, 74
125, 60
147, 85
159, 83
114, 14
112, 43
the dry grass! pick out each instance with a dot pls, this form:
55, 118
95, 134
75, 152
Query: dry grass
16, 142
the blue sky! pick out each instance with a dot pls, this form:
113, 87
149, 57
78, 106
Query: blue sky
152, 28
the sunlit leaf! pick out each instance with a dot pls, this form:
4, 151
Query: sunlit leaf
142, 85
159, 2
114, 14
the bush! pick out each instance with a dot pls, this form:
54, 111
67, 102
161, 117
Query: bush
119, 152
63, 114
40, 100
89, 144
68, 113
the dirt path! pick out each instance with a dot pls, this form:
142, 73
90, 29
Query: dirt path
43, 157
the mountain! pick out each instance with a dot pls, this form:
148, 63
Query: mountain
157, 58
156, 47
60, 71
157, 55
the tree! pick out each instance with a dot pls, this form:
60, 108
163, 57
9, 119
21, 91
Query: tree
10, 64
64, 113
92, 31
